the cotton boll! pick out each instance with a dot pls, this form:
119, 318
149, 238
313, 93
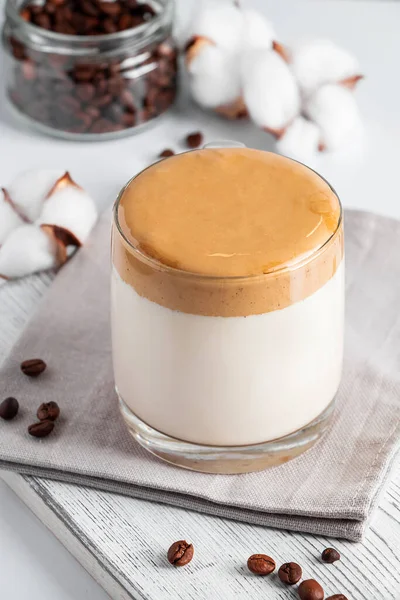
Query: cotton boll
300, 140
321, 61
215, 77
64, 215
334, 109
27, 250
70, 208
219, 21
270, 91
29, 189
257, 31
9, 218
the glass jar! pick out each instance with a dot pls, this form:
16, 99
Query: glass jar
227, 304
90, 87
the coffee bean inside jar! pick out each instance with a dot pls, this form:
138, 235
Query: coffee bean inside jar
90, 68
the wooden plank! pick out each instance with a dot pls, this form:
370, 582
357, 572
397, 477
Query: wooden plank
122, 541
129, 538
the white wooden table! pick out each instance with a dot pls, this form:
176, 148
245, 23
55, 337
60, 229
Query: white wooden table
33, 563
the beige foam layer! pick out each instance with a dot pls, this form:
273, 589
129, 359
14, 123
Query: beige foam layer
228, 232
226, 297
230, 211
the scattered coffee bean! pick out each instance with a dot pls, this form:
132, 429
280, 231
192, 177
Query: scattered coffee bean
337, 597
33, 367
310, 590
194, 140
41, 429
180, 553
290, 573
9, 408
261, 564
166, 153
48, 411
330, 555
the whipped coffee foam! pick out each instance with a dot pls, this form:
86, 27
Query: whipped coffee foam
227, 296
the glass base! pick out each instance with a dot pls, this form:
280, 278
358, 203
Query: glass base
226, 459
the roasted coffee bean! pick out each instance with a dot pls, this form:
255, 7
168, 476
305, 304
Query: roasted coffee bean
83, 72
100, 84
116, 85
162, 80
48, 411
91, 25
102, 101
337, 597
330, 555
63, 15
69, 102
164, 99
65, 28
26, 14
131, 4
109, 26
89, 8
41, 429
180, 553
50, 9
261, 564
166, 153
92, 112
128, 119
85, 92
17, 48
290, 573
310, 590
42, 20
81, 23
113, 9
127, 99
35, 9
9, 408
33, 367
194, 140
136, 21
125, 21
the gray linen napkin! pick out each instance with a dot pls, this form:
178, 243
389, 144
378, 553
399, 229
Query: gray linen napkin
330, 490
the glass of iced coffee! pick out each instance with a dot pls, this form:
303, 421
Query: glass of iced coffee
227, 308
